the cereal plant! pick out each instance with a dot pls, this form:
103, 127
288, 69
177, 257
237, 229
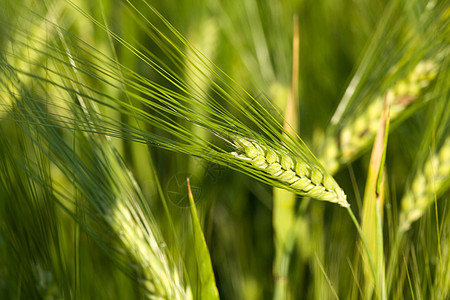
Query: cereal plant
224, 149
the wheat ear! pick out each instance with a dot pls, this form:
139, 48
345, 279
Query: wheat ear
359, 131
426, 185
294, 173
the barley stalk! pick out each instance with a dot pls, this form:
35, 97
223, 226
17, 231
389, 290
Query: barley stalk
294, 173
426, 185
359, 131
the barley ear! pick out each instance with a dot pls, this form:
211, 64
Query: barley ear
160, 279
293, 173
426, 185
360, 130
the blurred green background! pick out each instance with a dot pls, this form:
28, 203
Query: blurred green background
58, 234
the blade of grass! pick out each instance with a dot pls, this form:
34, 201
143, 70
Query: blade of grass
372, 209
207, 282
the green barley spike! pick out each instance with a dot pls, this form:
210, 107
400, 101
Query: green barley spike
426, 185
355, 134
302, 177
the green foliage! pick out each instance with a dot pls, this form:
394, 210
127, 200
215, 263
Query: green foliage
207, 286
107, 107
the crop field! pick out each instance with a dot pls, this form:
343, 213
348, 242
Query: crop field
224, 149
